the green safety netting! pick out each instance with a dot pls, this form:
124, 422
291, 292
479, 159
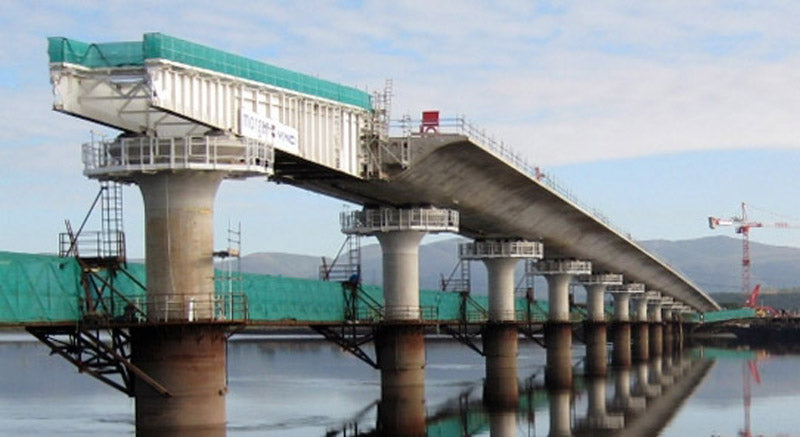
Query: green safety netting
724, 315
161, 46
38, 288
42, 288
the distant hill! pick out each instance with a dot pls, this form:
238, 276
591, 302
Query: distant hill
713, 263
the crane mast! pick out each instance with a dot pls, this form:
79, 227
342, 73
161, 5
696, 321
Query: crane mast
743, 225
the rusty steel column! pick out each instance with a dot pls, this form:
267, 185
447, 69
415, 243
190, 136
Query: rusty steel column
500, 345
400, 349
656, 331
596, 349
500, 388
640, 341
190, 361
558, 368
621, 352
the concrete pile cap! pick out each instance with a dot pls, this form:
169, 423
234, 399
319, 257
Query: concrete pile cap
601, 278
370, 221
563, 267
501, 248
631, 288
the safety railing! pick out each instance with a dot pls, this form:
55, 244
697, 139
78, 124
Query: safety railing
141, 309
147, 153
556, 266
398, 219
403, 312
459, 125
92, 244
499, 249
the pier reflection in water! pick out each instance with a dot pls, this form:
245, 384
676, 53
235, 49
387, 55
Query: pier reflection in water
302, 387
572, 398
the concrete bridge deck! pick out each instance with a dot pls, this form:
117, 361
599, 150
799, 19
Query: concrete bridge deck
497, 200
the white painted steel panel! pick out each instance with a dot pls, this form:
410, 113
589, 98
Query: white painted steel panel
328, 132
166, 99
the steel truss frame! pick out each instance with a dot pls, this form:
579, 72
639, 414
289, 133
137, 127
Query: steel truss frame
84, 348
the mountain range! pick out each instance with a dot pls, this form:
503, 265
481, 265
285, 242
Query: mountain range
713, 263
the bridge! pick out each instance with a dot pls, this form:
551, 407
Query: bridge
192, 116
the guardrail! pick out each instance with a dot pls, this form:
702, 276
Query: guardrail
147, 153
390, 219
141, 309
92, 244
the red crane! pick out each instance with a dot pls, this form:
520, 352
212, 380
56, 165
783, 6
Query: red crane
743, 226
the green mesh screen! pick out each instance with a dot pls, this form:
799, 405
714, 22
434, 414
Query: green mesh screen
40, 288
37, 288
161, 46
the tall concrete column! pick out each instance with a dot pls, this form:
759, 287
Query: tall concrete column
179, 243
558, 330
401, 274
621, 356
559, 274
596, 286
399, 232
500, 256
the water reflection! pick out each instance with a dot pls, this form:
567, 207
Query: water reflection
600, 400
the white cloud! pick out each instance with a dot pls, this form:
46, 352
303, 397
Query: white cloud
564, 83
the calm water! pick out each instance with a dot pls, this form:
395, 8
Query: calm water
310, 388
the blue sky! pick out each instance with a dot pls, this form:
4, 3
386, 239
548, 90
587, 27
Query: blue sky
657, 113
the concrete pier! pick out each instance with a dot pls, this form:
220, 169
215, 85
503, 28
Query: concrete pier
181, 344
399, 341
500, 345
595, 327
558, 330
190, 361
656, 329
621, 355
500, 335
400, 349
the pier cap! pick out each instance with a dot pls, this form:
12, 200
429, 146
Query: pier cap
629, 288
371, 221
563, 267
501, 248
601, 279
